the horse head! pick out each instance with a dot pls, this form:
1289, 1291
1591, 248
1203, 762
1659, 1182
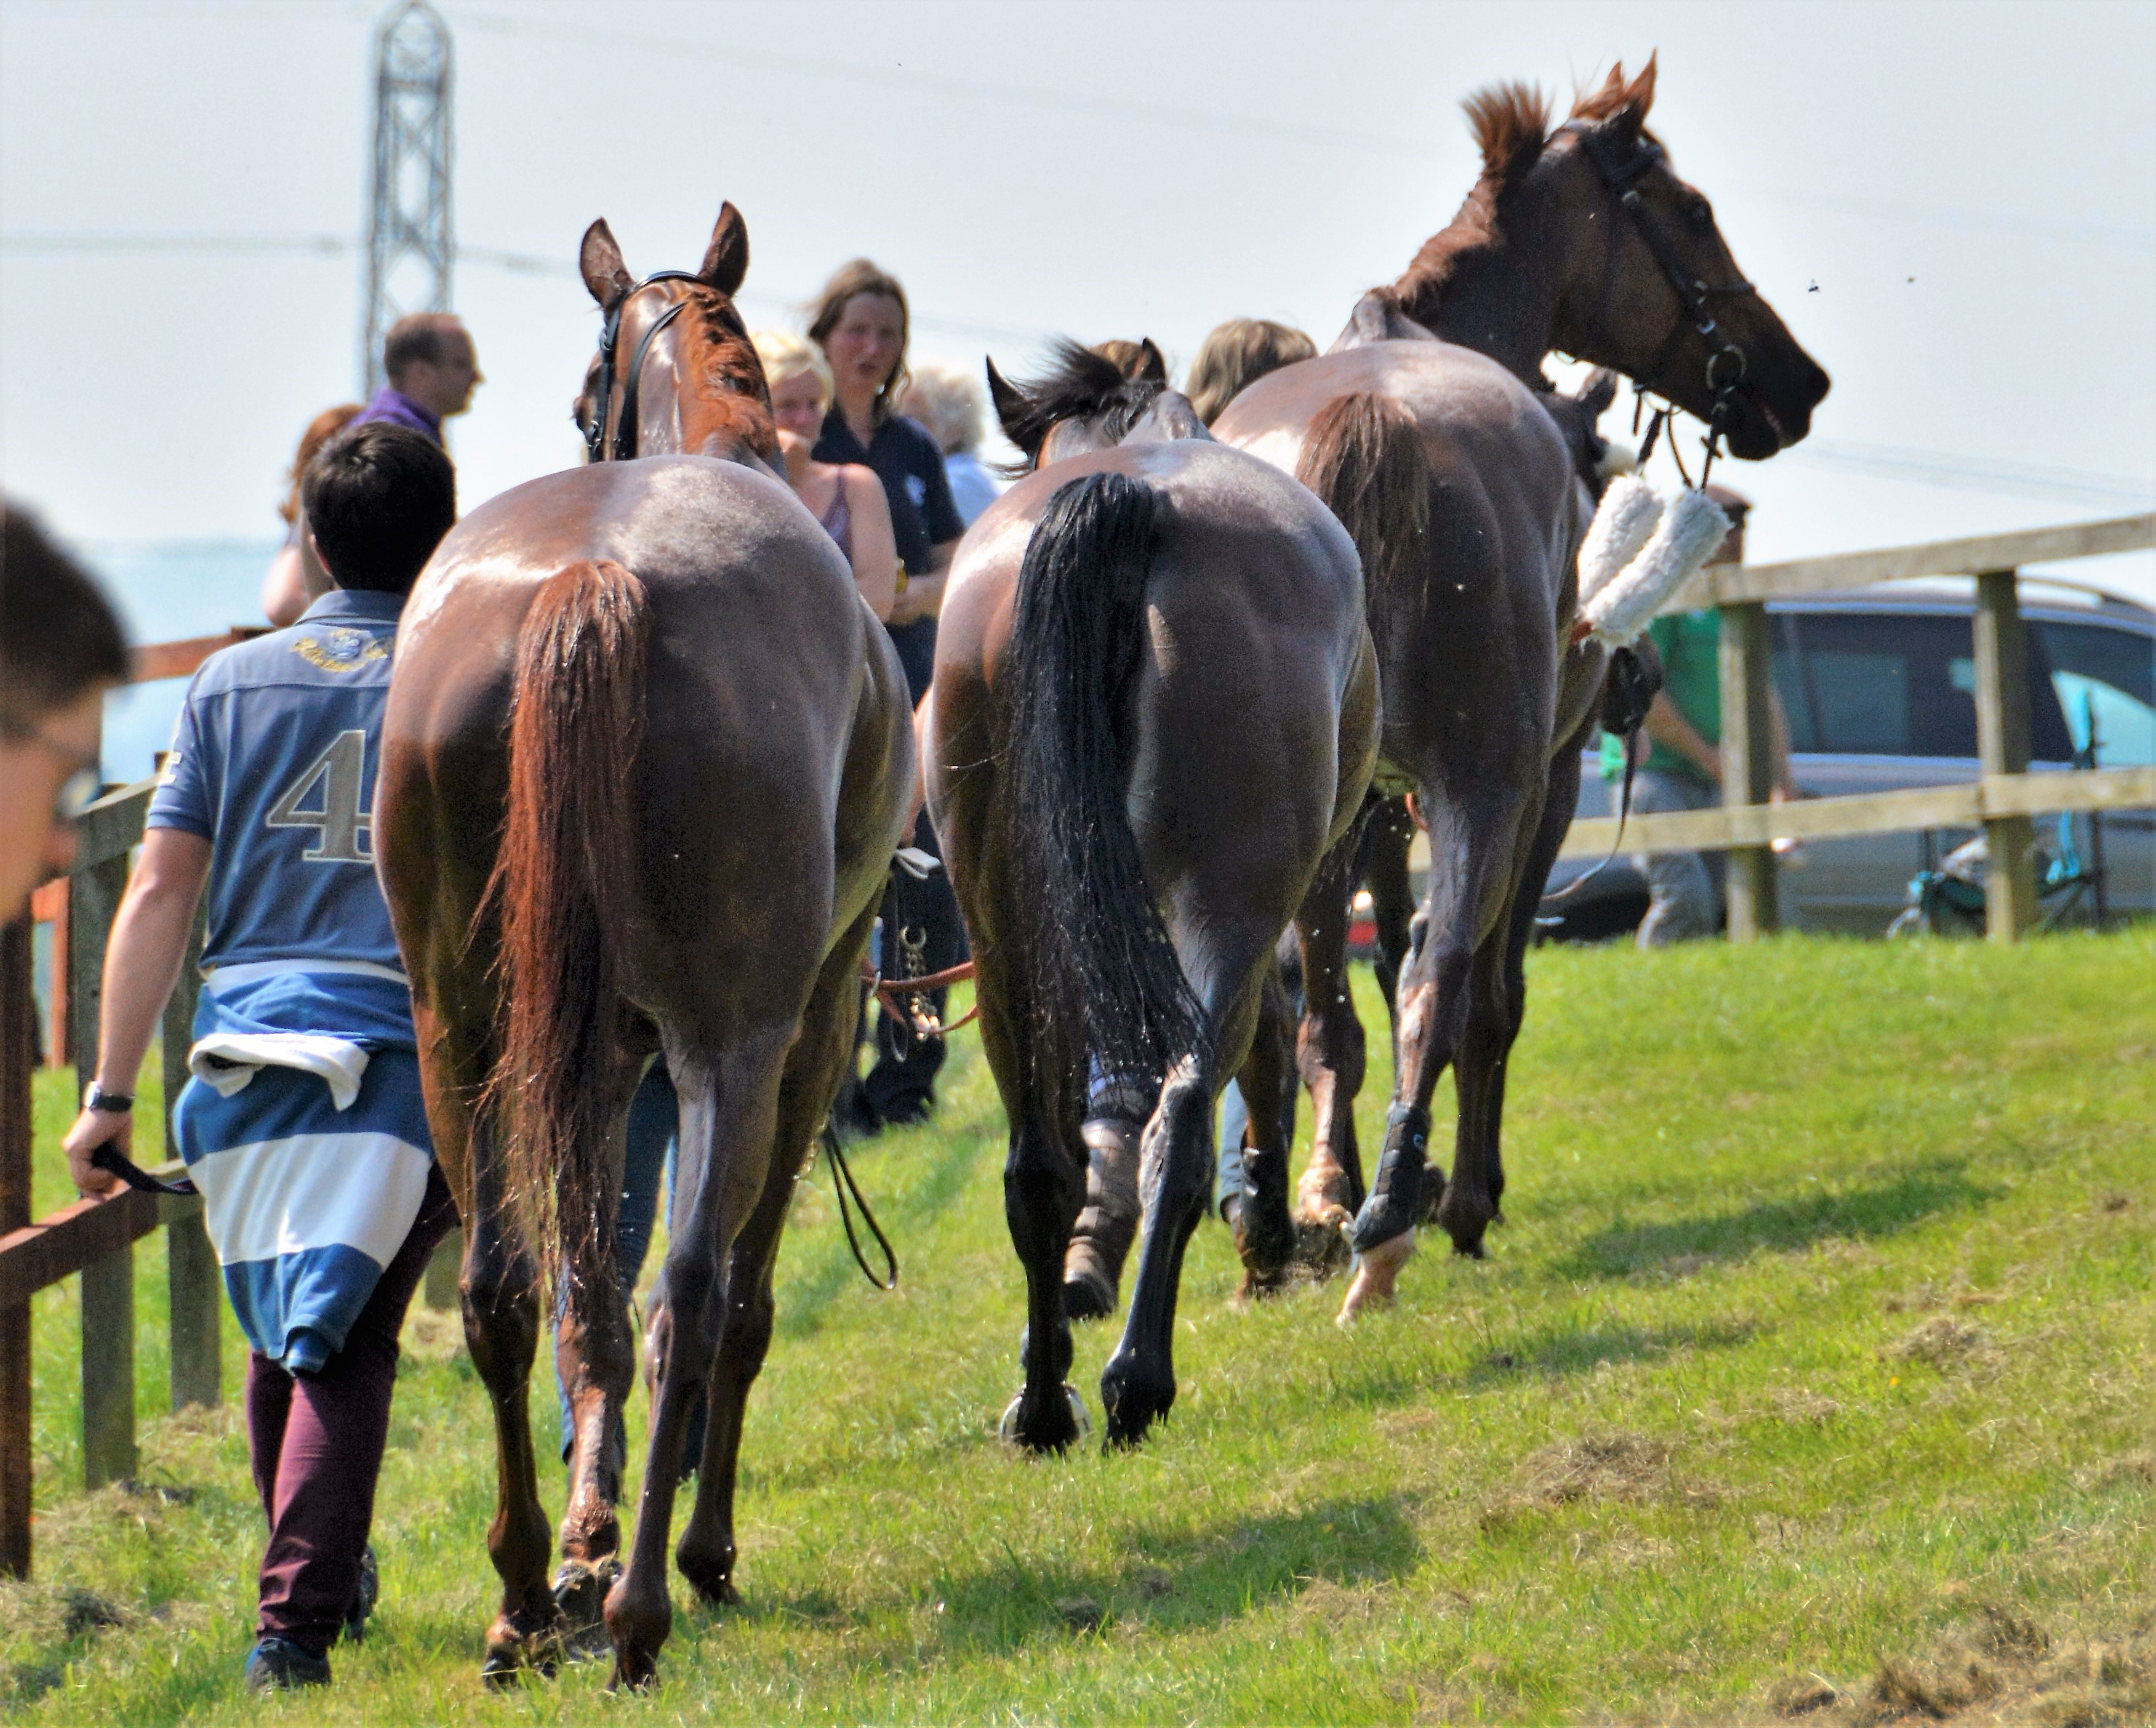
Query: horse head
1649, 286
675, 371
1594, 458
1090, 400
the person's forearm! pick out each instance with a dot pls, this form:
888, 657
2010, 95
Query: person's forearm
1669, 728
923, 598
142, 964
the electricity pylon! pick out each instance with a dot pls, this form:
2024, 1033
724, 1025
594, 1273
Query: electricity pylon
409, 248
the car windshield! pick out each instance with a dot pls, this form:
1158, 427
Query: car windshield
2105, 679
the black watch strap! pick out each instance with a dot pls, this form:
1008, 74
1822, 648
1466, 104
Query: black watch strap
98, 1098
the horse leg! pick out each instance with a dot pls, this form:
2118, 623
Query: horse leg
1137, 1386
1559, 804
1265, 1233
595, 1358
1472, 867
729, 1117
1329, 1054
1392, 899
815, 1065
1108, 1221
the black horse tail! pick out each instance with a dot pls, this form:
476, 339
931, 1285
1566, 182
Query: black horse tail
1364, 458
1101, 974
568, 860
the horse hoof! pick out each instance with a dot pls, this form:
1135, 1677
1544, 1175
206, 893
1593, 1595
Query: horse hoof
1087, 1297
580, 1592
1377, 1271
521, 1644
1007, 1427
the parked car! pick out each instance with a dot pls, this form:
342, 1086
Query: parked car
1880, 690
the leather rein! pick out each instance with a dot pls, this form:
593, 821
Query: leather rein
1726, 364
625, 431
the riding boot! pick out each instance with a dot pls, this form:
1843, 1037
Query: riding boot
1395, 1207
1093, 1264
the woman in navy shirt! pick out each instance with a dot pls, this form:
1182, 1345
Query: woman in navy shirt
861, 324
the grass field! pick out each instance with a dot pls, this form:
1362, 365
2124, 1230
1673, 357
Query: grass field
1814, 1371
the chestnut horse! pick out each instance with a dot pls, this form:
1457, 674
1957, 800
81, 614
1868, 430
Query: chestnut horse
1460, 491
646, 758
1154, 712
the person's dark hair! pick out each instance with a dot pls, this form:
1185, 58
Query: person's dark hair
60, 639
379, 498
417, 336
1238, 353
849, 282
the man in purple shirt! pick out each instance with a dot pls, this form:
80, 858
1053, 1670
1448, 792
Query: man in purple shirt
428, 359
432, 369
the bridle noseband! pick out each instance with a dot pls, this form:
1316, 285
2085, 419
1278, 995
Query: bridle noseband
625, 431
1726, 364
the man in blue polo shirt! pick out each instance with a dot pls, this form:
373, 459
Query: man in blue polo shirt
303, 1125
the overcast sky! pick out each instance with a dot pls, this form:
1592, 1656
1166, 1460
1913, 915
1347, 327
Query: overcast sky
1954, 206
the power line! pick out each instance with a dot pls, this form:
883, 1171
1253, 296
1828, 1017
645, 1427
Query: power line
1944, 469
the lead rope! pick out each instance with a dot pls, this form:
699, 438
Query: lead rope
842, 1180
1623, 810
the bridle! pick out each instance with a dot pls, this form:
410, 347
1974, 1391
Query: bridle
1725, 359
625, 431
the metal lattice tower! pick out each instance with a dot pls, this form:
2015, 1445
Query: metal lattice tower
408, 248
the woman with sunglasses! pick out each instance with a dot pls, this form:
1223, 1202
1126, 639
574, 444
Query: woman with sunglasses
60, 650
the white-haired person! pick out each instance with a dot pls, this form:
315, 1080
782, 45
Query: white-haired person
845, 497
949, 402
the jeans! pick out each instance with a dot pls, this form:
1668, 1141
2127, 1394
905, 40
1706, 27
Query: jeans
316, 1442
1683, 888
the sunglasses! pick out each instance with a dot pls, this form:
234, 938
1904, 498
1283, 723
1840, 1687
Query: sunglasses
83, 786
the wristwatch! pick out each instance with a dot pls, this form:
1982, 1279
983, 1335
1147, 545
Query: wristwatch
98, 1098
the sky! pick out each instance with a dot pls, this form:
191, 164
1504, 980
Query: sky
1954, 206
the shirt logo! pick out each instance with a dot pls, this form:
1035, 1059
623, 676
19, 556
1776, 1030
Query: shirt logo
339, 649
917, 489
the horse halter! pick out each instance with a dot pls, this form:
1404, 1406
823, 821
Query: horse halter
1725, 359
625, 431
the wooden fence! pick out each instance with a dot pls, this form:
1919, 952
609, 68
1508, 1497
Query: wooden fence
2002, 803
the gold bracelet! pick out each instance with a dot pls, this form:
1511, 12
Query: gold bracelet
903, 578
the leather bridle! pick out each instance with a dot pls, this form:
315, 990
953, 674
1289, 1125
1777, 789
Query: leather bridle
1726, 364
625, 431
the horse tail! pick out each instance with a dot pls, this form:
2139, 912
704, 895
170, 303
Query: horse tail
1364, 459
563, 878
1102, 975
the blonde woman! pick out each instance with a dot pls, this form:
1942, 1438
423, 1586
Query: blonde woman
845, 497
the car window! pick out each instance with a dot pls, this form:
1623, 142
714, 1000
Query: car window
1790, 684
2106, 679
1904, 684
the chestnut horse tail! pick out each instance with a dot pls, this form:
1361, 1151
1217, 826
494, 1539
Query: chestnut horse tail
565, 873
1100, 973
1364, 458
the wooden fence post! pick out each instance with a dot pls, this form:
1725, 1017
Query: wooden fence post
18, 1019
2002, 741
108, 1286
1747, 763
192, 1278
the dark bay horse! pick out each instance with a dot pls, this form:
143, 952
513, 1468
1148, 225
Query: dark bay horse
646, 757
1458, 488
1154, 711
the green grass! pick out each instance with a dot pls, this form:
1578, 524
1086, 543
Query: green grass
1820, 1336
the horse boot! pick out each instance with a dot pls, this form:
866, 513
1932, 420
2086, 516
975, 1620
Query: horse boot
1093, 1263
1394, 1204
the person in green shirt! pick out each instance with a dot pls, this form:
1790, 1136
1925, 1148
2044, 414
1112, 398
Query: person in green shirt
1680, 765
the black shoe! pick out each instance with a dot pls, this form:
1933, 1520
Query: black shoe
364, 1599
856, 1118
277, 1664
907, 1112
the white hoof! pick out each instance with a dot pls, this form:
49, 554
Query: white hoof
1007, 1427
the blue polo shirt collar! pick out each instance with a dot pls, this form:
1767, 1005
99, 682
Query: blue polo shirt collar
371, 605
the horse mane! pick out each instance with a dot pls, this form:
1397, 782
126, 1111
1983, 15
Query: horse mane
1511, 123
729, 396
1081, 384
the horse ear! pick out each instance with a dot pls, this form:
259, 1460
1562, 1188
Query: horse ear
725, 260
1601, 392
1009, 399
1152, 364
599, 260
1639, 97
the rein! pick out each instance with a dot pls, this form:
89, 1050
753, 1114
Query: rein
624, 432
1725, 362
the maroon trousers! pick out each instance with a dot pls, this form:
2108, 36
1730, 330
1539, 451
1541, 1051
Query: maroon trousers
316, 1442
